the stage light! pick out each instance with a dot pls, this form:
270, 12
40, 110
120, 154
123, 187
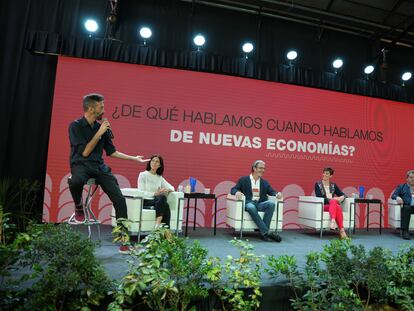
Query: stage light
247, 47
199, 40
145, 32
91, 26
291, 55
406, 76
337, 63
369, 69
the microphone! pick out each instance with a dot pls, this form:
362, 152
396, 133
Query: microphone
111, 135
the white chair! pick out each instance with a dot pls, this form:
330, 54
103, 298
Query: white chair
135, 202
312, 215
394, 215
241, 221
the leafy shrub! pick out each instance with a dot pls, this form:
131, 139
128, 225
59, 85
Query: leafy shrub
237, 281
168, 273
64, 272
345, 277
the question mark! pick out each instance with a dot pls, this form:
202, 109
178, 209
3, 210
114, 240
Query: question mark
351, 150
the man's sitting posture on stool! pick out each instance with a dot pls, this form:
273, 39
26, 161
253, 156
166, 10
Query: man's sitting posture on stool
256, 190
88, 139
404, 194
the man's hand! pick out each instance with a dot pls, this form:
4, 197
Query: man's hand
399, 200
279, 195
105, 125
140, 159
239, 195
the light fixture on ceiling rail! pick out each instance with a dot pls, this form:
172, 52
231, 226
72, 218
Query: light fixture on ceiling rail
292, 56
247, 49
405, 77
337, 64
368, 70
91, 26
199, 40
145, 33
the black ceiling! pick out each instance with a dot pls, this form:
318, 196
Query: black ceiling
389, 21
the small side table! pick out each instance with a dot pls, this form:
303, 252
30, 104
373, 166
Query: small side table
367, 202
196, 196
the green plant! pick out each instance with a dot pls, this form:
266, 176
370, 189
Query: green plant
10, 284
168, 273
237, 281
64, 271
346, 277
17, 202
6, 226
400, 285
120, 232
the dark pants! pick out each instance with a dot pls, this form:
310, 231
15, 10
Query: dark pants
406, 212
104, 178
161, 208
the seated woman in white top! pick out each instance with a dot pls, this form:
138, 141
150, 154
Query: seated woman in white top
156, 189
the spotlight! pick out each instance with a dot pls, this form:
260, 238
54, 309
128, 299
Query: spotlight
247, 47
369, 69
91, 26
406, 76
199, 41
145, 33
291, 55
337, 63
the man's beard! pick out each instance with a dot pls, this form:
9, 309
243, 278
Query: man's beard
99, 117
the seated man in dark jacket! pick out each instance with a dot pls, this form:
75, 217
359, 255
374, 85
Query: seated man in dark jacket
404, 194
256, 190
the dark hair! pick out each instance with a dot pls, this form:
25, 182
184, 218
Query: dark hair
328, 169
255, 163
90, 100
160, 170
409, 173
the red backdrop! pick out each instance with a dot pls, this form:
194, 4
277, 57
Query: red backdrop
212, 127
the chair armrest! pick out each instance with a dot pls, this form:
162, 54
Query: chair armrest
346, 204
132, 192
173, 200
394, 202
311, 199
232, 197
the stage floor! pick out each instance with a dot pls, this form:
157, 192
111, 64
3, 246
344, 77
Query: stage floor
295, 242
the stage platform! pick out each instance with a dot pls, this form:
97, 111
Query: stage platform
295, 242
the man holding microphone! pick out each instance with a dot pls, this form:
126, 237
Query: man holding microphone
88, 139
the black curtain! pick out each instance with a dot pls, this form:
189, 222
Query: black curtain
34, 31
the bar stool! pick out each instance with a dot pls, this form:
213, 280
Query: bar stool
90, 219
